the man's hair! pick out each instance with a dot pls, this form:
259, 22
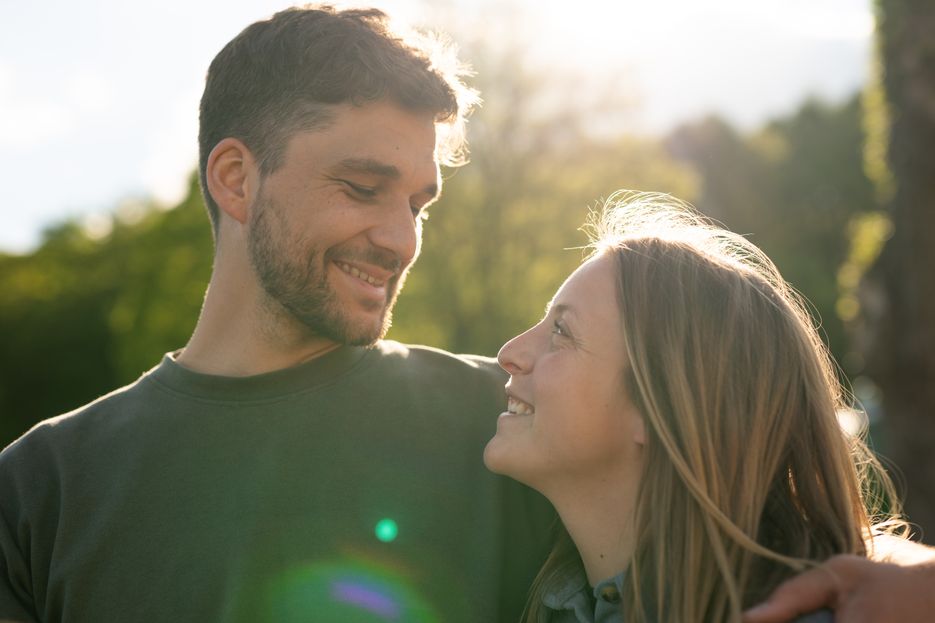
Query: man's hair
284, 75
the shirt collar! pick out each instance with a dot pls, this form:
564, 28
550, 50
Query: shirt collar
567, 589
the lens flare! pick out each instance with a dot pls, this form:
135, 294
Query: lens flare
349, 591
386, 530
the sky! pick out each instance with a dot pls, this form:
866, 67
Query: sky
99, 99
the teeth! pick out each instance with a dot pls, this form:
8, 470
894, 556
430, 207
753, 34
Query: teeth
354, 272
514, 405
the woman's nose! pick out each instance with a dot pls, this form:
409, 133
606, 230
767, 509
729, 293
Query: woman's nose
515, 356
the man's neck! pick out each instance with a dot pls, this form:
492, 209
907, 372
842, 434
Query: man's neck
226, 357
238, 335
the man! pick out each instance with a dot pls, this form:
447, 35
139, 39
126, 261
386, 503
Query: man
287, 464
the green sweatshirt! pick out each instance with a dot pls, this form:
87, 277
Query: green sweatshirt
349, 488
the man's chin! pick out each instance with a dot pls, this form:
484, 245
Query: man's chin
376, 334
362, 332
352, 323
369, 325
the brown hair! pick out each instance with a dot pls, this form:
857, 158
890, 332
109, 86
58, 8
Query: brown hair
748, 476
283, 75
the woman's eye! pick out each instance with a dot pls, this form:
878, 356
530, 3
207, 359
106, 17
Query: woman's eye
558, 329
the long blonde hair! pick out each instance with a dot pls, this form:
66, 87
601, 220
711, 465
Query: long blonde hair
748, 476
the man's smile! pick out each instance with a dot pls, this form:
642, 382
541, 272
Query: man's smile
365, 275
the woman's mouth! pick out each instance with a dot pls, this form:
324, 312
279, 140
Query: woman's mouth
515, 406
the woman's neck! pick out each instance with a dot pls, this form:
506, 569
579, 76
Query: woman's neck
599, 519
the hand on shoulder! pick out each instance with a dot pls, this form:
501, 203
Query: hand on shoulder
859, 590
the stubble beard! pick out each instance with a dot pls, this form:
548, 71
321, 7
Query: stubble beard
301, 288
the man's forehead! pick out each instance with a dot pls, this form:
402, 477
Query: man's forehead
389, 153
382, 115
375, 132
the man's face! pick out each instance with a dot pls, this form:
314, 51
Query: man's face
335, 229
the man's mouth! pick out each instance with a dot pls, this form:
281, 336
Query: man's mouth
515, 406
364, 276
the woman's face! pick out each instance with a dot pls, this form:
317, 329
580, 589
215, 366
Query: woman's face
569, 418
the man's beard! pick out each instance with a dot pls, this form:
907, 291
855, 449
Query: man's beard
295, 276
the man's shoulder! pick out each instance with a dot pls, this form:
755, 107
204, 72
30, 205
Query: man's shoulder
71, 427
435, 372
431, 357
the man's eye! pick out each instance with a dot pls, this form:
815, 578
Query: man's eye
558, 329
363, 191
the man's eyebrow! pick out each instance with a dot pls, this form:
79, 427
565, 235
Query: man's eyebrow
380, 169
369, 165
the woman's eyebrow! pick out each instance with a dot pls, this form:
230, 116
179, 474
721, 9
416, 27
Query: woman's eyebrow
561, 308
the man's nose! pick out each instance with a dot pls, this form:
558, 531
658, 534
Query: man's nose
398, 231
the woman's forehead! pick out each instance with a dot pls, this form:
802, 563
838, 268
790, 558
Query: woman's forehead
594, 275
589, 294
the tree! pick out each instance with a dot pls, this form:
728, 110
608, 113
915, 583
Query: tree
503, 236
897, 294
83, 315
793, 187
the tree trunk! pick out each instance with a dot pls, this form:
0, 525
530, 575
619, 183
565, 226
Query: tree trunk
899, 290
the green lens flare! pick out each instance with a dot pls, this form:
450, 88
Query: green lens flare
349, 590
386, 530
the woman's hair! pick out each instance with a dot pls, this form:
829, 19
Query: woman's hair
748, 476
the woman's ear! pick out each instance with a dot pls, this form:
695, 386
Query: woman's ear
638, 428
232, 177
636, 422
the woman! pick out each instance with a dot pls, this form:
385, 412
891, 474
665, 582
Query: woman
678, 408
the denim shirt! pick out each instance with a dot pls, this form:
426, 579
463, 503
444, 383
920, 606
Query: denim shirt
568, 598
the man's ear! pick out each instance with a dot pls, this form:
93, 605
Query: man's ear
232, 178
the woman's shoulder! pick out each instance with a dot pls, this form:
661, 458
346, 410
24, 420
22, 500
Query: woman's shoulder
819, 616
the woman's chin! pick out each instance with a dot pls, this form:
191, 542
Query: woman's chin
492, 457
501, 459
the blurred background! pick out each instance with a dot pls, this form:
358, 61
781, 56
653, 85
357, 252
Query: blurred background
807, 126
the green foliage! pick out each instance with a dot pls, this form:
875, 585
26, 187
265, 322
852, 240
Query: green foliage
876, 125
504, 235
165, 263
85, 314
81, 316
794, 187
867, 233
